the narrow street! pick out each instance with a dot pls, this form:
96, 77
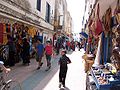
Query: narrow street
37, 27
32, 79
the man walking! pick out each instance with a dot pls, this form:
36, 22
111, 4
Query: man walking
39, 53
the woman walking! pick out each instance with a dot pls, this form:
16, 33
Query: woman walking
64, 60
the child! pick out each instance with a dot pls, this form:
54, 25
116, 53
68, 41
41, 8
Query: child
48, 53
64, 60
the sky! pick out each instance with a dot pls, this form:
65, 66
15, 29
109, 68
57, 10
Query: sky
76, 9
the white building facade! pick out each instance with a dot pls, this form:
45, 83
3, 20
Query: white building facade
37, 15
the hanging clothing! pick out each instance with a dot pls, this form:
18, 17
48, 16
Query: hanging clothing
99, 28
105, 48
98, 54
5, 40
109, 46
107, 19
117, 11
8, 28
1, 32
114, 21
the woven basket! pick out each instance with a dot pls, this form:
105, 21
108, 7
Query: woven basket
88, 65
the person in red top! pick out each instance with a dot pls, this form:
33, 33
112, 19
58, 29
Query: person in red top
48, 53
68, 45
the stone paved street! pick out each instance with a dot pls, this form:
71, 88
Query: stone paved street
32, 79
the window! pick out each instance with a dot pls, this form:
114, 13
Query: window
39, 5
47, 18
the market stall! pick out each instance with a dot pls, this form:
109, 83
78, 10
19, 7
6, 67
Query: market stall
104, 74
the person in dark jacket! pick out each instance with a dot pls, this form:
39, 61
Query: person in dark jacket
26, 52
64, 60
12, 50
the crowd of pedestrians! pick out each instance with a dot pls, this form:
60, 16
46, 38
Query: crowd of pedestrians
21, 51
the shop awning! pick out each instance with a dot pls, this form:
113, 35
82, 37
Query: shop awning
84, 34
23, 21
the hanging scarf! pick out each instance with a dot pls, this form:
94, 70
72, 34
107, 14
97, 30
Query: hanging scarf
107, 19
1, 32
96, 24
8, 28
118, 11
98, 28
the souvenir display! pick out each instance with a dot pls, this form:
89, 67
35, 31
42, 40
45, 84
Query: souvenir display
105, 71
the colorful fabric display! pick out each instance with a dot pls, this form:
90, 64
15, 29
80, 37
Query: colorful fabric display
1, 32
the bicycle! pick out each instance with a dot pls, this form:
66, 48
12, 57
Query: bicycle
8, 84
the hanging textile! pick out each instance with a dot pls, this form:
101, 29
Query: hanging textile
117, 11
98, 54
92, 29
84, 34
107, 19
1, 33
8, 28
99, 28
105, 49
114, 21
102, 49
95, 24
4, 35
109, 46
91, 26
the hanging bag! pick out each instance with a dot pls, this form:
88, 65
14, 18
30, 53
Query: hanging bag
117, 12
107, 20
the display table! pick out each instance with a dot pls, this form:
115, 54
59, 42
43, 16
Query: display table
99, 83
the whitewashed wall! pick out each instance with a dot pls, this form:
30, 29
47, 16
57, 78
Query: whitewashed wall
42, 13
